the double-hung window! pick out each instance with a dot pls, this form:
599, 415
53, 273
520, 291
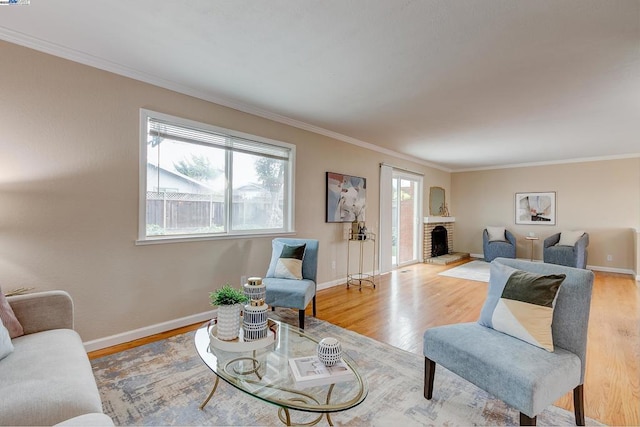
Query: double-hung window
202, 181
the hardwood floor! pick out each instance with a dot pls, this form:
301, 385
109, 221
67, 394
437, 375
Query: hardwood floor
417, 298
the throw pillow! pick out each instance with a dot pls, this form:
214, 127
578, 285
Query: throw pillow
521, 304
276, 250
496, 234
569, 238
289, 265
8, 318
6, 347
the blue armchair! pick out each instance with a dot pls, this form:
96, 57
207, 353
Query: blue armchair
291, 293
498, 248
570, 256
523, 375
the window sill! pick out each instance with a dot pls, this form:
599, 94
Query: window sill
185, 239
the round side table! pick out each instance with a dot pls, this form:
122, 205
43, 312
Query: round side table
532, 239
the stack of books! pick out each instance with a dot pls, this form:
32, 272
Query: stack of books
309, 371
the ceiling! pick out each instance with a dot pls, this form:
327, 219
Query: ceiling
456, 84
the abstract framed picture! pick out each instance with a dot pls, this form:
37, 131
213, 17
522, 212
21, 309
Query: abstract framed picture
536, 208
346, 197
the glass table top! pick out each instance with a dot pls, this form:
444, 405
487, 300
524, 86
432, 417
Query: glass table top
265, 373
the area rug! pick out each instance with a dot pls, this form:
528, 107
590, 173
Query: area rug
163, 383
474, 270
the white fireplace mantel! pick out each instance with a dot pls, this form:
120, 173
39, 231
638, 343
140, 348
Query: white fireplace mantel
439, 219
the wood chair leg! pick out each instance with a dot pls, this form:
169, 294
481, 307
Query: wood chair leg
578, 404
314, 306
301, 318
526, 420
429, 374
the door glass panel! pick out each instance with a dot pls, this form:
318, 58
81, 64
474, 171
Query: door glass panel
407, 213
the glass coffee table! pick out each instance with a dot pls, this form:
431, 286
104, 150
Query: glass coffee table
264, 372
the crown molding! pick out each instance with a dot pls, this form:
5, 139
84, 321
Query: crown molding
119, 69
551, 162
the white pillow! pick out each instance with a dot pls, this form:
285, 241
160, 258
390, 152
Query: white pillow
496, 234
6, 347
569, 238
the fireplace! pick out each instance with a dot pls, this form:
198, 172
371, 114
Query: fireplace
439, 241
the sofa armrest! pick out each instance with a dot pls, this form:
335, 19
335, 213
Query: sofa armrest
43, 311
551, 240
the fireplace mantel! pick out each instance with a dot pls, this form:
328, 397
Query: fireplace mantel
439, 219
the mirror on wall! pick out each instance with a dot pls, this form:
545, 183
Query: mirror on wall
436, 201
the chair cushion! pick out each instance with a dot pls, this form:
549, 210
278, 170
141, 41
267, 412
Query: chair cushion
521, 304
6, 347
9, 319
569, 238
525, 377
496, 234
289, 265
289, 293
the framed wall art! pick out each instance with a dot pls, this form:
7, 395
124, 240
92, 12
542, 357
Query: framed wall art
536, 208
346, 197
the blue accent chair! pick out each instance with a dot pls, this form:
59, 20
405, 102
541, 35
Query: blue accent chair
291, 293
495, 249
524, 376
571, 256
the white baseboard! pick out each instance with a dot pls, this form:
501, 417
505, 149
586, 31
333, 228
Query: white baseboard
611, 270
331, 284
135, 334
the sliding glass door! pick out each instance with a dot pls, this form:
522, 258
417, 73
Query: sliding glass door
406, 203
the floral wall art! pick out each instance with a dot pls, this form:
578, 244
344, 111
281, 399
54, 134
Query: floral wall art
346, 197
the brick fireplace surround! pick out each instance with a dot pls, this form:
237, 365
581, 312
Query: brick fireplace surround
431, 222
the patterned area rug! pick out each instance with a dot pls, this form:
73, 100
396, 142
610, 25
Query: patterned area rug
474, 270
163, 383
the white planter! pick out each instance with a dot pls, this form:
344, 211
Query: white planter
228, 323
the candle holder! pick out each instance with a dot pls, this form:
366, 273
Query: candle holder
254, 289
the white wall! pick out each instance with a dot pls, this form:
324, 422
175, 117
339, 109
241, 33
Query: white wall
600, 197
69, 196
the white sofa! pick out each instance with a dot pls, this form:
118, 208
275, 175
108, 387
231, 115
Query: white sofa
47, 379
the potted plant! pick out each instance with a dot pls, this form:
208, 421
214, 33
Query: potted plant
229, 301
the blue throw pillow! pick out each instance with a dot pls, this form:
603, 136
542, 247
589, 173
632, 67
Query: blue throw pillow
289, 265
521, 304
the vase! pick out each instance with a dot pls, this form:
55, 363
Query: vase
329, 351
228, 322
355, 229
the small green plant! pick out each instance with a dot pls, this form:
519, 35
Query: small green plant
227, 296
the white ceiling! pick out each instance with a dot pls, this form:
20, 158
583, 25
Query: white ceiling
461, 84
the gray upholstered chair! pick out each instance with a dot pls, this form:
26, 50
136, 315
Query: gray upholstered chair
524, 376
493, 249
291, 293
571, 256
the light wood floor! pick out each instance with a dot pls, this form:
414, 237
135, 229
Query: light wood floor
417, 298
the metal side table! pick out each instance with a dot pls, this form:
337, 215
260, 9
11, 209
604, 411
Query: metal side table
360, 240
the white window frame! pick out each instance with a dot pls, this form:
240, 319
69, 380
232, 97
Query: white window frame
289, 202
